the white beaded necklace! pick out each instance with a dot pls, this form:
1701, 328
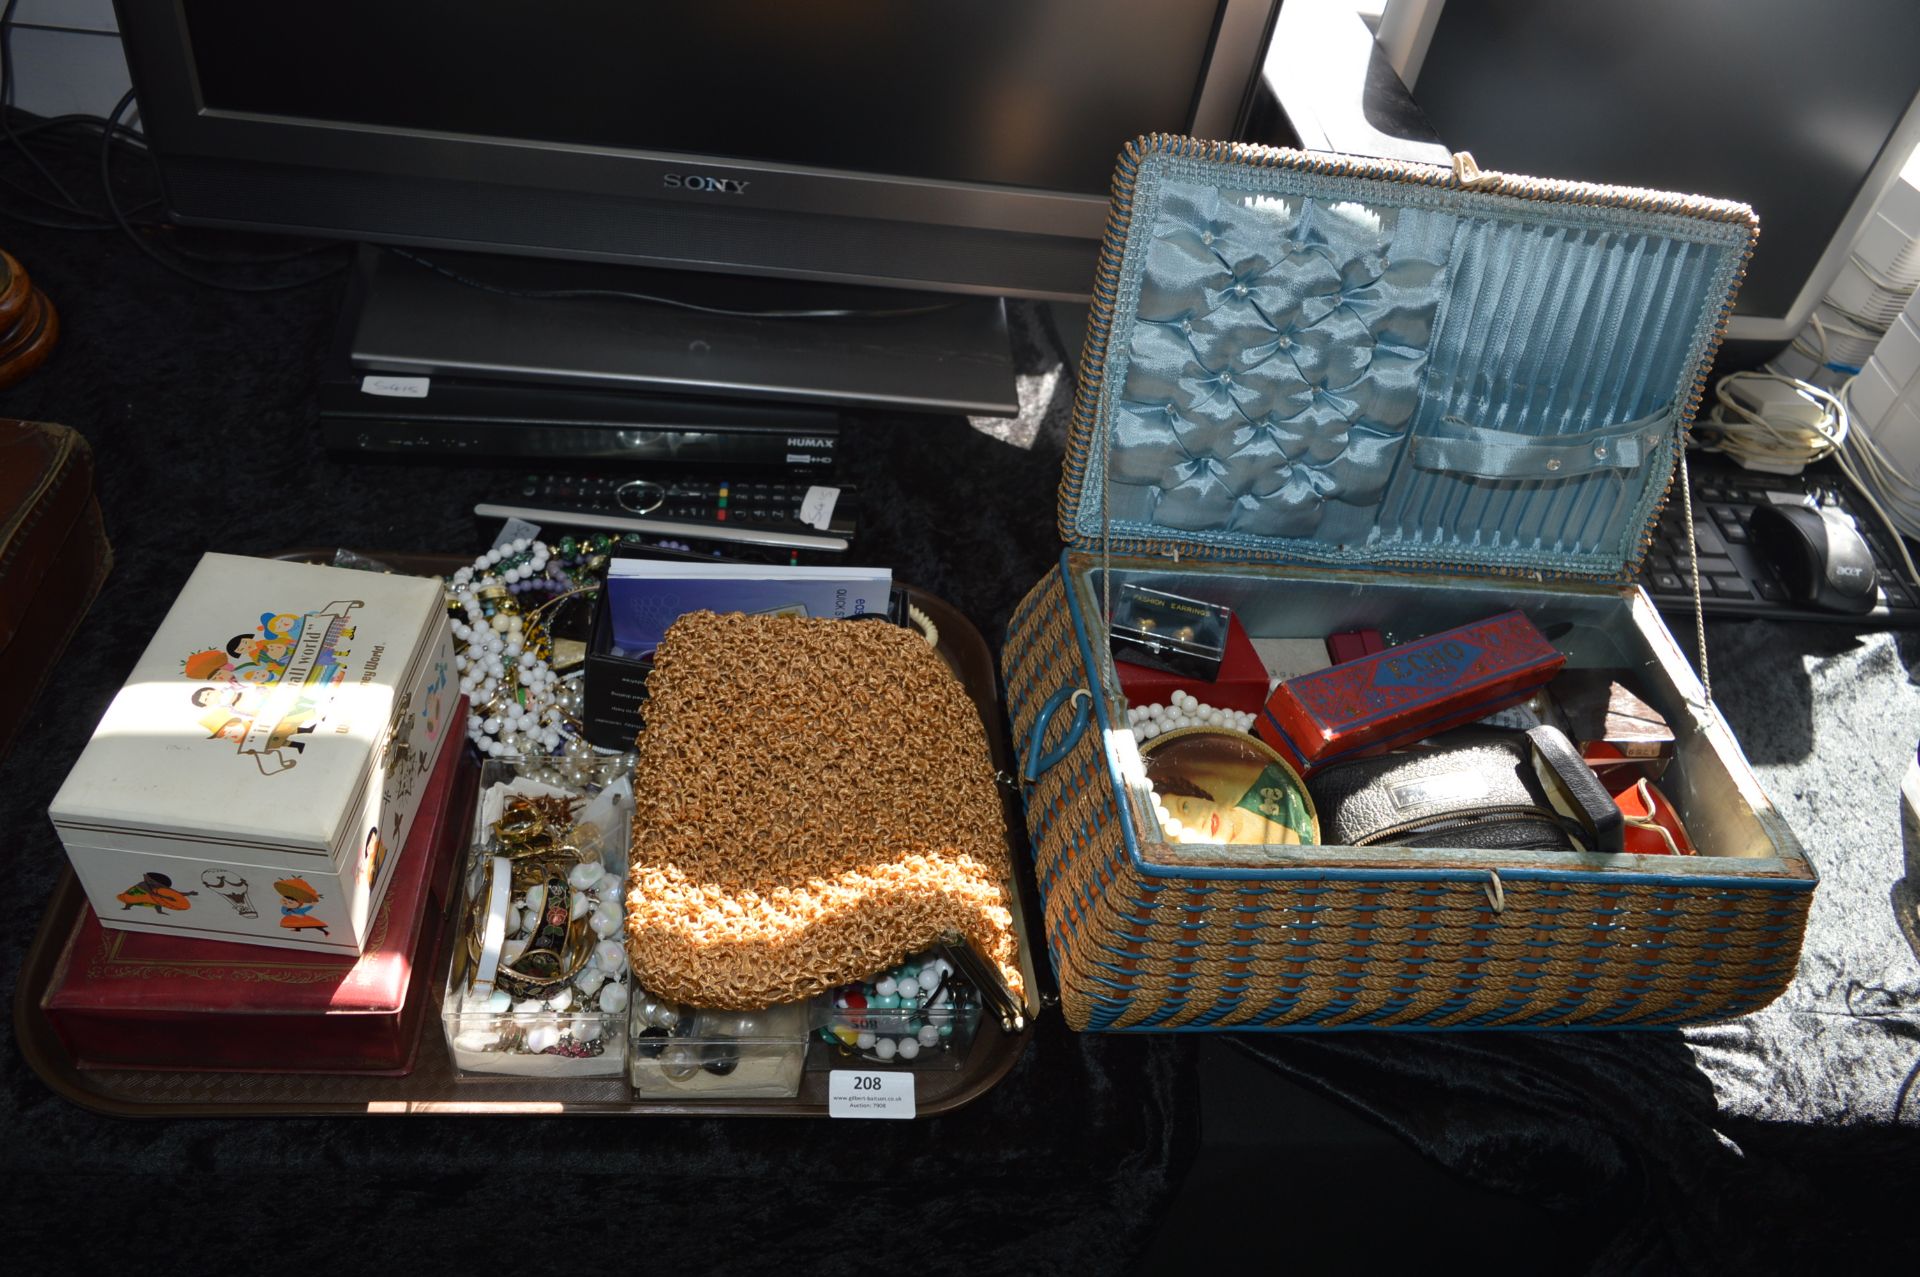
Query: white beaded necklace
1184, 710
518, 705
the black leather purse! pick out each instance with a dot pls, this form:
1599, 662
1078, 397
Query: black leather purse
1474, 788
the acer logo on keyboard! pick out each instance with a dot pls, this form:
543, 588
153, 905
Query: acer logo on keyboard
698, 182
1842, 569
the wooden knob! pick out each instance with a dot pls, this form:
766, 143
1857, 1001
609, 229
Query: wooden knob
29, 325
26, 345
15, 289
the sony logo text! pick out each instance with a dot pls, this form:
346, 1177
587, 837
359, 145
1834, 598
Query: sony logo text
697, 182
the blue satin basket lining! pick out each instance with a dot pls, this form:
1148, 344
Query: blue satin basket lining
1337, 378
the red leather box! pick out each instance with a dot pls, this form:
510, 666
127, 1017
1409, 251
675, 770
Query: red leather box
130, 999
1405, 693
1242, 683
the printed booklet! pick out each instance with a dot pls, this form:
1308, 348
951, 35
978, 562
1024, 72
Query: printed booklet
645, 596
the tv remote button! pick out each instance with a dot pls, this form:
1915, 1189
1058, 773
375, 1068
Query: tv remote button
641, 496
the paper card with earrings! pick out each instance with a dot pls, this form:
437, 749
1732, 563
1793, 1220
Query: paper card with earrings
538, 984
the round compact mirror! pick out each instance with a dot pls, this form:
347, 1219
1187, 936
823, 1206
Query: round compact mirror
1216, 785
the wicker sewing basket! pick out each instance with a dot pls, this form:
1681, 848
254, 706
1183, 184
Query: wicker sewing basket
1335, 393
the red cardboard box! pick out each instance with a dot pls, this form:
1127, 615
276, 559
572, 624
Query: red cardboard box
1351, 645
1242, 683
130, 999
1406, 693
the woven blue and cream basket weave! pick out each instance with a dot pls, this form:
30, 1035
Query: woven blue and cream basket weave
1332, 394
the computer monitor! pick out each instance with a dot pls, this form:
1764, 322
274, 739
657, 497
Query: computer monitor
1805, 111
958, 148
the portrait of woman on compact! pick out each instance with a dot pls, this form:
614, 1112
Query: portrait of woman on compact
1215, 785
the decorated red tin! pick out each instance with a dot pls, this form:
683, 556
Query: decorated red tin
1404, 693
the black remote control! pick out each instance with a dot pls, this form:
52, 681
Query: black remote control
791, 514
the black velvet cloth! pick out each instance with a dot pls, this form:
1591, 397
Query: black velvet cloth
1783, 1140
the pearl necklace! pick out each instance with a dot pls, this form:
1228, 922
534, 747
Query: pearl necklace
518, 704
1149, 721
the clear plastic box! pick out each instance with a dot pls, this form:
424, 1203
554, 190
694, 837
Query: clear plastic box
556, 1003
1169, 632
920, 1014
683, 1053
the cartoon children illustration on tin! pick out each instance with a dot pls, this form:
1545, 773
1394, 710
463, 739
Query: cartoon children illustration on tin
233, 698
155, 891
297, 899
266, 692
208, 666
230, 716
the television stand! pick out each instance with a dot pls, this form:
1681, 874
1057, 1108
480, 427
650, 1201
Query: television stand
757, 346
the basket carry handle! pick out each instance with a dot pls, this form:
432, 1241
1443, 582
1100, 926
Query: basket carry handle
1083, 711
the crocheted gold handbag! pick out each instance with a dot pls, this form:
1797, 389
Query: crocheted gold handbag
813, 801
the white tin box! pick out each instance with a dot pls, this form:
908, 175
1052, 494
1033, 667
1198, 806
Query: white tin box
256, 777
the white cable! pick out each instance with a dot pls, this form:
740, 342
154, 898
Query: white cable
1849, 326
1851, 323
1880, 482
1734, 425
1736, 428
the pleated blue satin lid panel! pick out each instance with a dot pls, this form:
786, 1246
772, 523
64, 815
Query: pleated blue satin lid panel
1307, 366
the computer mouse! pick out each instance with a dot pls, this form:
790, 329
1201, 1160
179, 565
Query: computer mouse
1821, 559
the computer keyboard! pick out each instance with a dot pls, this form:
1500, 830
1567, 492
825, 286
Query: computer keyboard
1735, 580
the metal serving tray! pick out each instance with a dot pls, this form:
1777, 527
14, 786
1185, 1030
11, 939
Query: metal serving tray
433, 1086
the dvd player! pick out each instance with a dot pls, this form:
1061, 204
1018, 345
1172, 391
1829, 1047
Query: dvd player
371, 412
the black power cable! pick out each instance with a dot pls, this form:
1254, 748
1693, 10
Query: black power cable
70, 214
106, 183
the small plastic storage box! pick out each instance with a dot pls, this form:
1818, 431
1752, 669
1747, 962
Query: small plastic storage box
920, 1014
721, 1054
576, 1027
